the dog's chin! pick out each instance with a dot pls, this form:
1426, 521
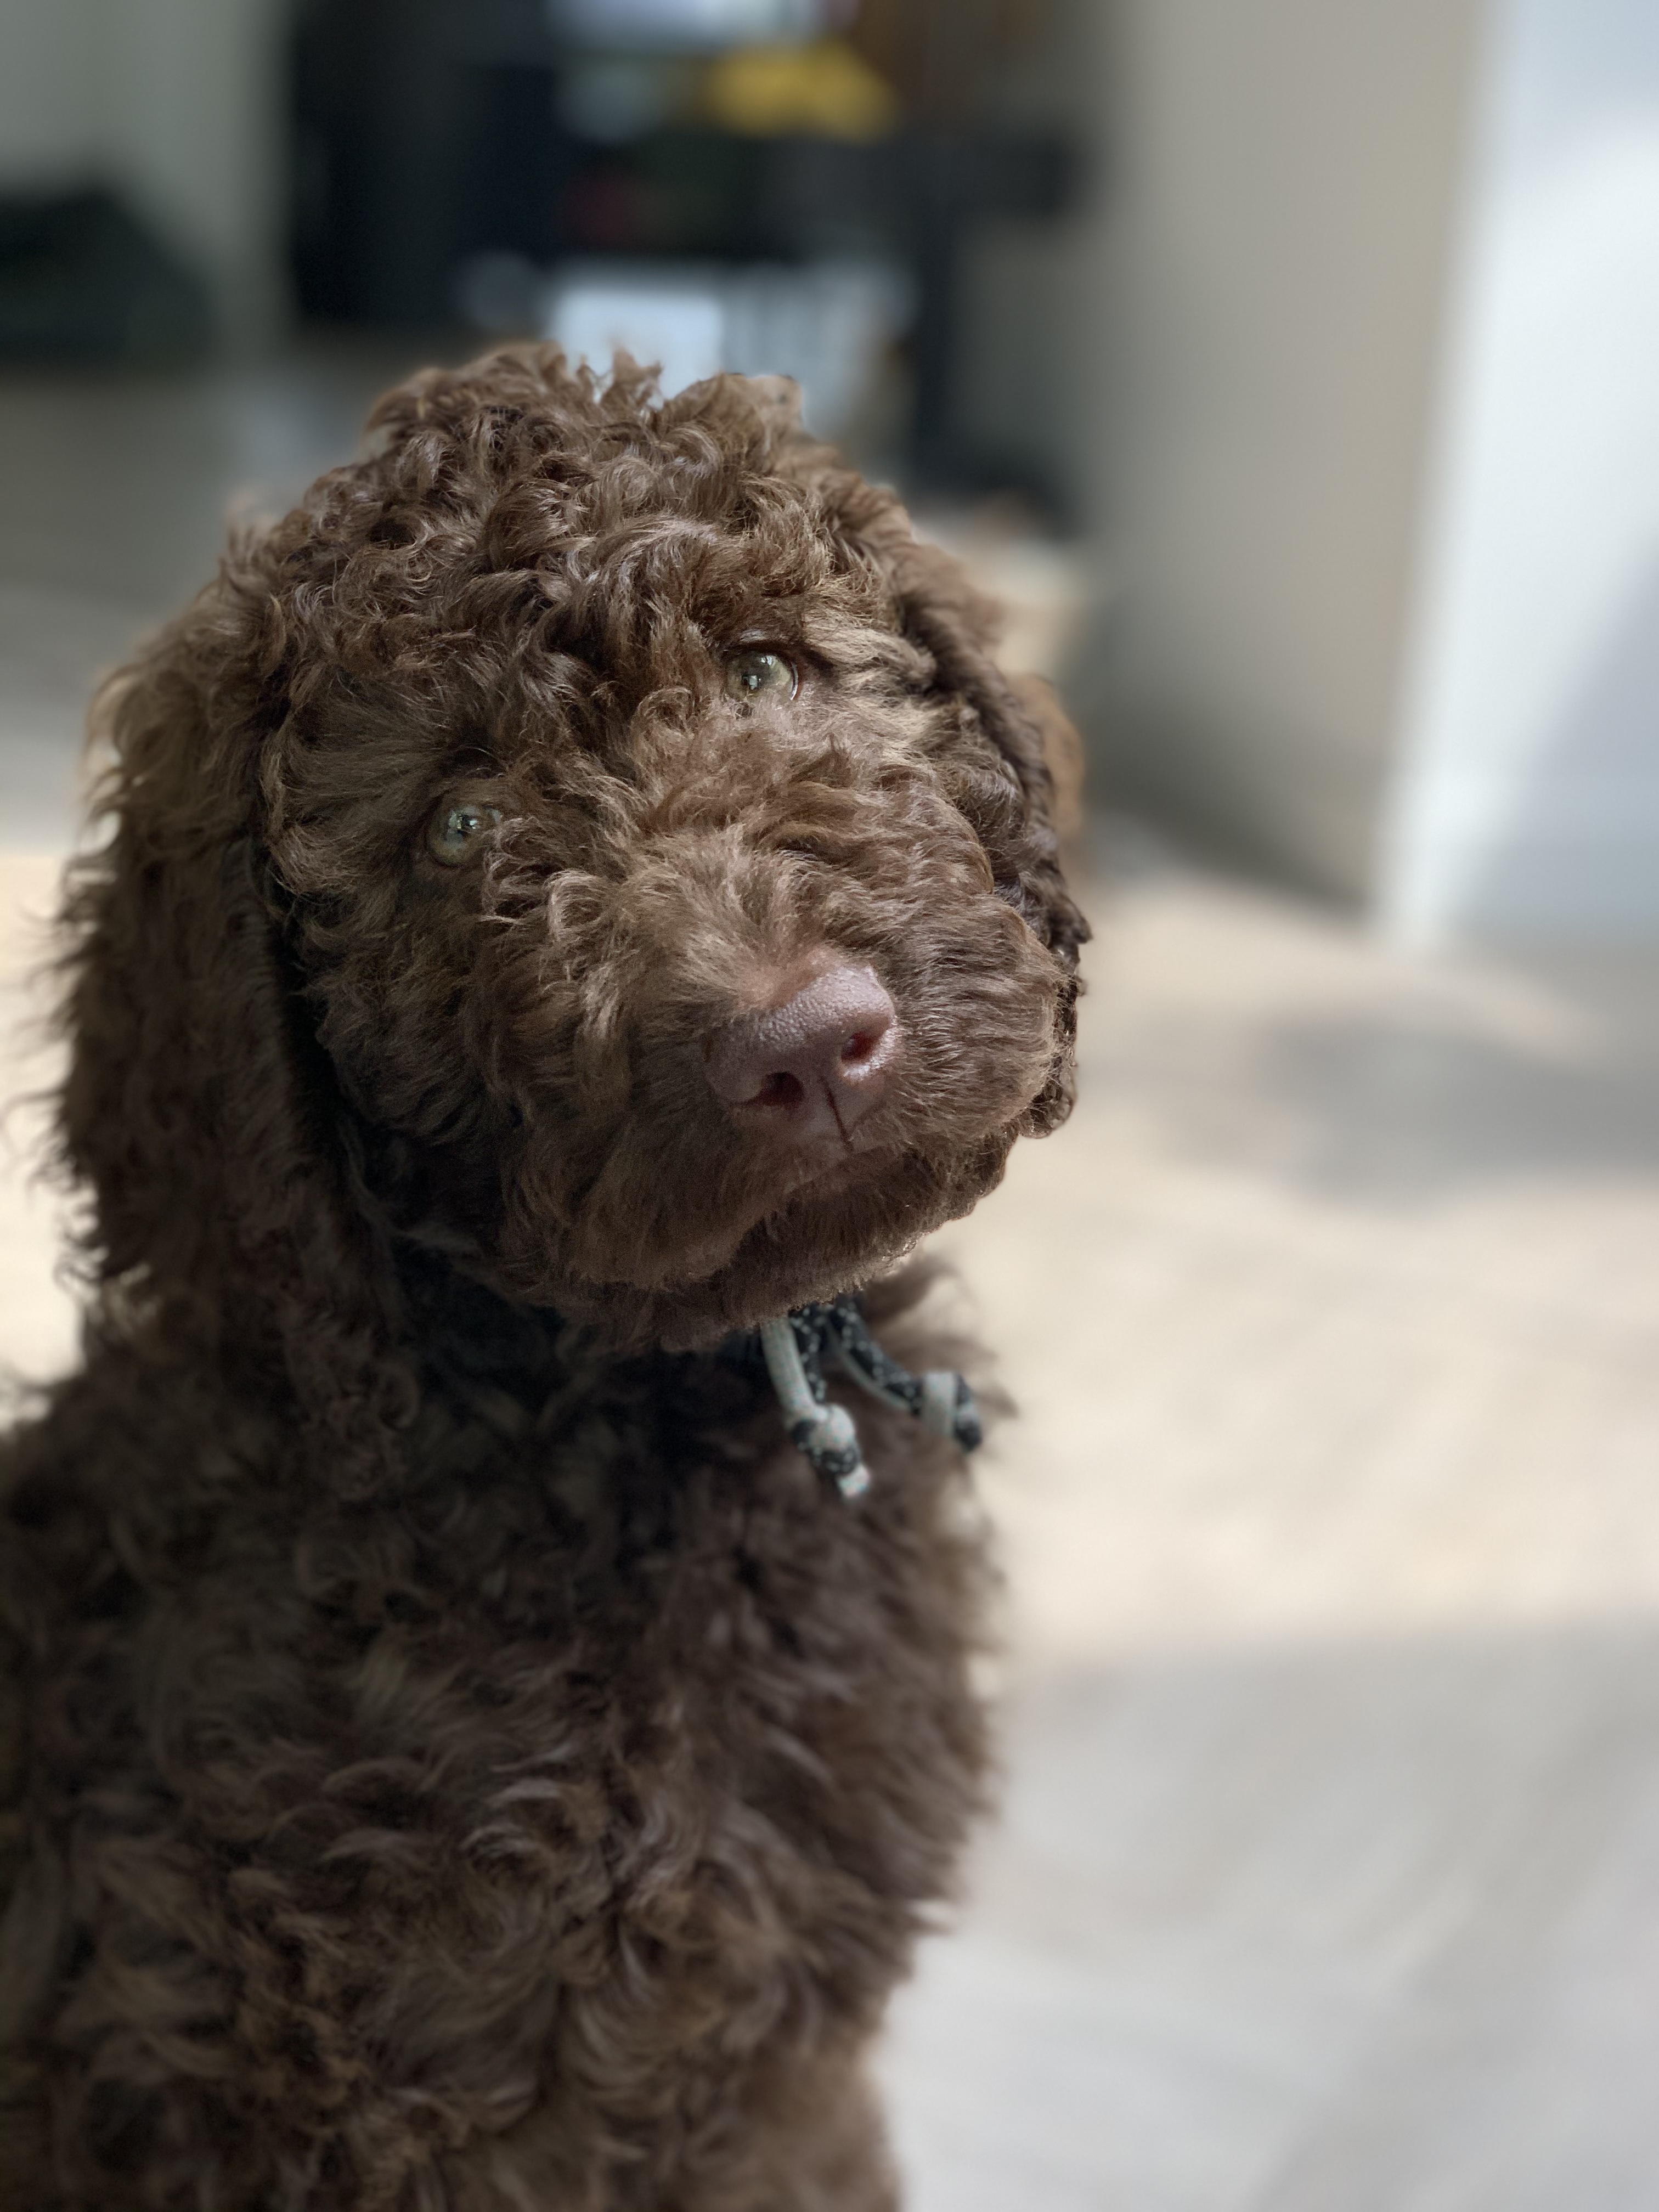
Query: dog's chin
834, 1190
834, 1233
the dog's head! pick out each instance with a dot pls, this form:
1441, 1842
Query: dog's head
587, 840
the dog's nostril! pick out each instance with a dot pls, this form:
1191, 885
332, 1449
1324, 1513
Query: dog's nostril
780, 1089
858, 1047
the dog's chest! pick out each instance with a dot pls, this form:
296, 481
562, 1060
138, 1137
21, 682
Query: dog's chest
706, 1675
564, 1775
687, 1768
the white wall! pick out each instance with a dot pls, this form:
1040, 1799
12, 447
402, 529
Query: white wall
1529, 792
1274, 258
49, 129
1379, 410
174, 100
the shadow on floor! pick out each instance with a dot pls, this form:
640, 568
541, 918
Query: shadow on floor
1351, 1930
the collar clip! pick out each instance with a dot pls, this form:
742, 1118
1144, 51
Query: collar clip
797, 1344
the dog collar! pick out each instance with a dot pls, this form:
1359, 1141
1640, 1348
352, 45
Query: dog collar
796, 1346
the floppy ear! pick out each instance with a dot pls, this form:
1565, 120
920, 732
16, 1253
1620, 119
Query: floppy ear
955, 625
198, 1107
940, 612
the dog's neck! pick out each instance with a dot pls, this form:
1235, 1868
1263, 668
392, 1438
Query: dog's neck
472, 1340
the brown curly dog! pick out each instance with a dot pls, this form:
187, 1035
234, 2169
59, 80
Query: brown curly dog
578, 890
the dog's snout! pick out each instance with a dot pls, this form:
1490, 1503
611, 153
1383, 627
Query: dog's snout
811, 1069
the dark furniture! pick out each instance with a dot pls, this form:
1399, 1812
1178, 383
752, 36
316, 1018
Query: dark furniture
429, 131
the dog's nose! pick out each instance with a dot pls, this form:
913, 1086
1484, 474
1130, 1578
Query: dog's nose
811, 1069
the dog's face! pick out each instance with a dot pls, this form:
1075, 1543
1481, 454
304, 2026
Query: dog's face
665, 867
676, 920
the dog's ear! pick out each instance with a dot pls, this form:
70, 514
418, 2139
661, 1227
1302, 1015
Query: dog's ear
197, 1108
956, 626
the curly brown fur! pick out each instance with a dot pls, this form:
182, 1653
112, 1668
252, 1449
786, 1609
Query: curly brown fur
463, 1758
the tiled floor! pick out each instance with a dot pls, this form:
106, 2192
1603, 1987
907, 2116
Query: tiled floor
1329, 1875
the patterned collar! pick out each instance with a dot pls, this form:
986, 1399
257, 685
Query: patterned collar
797, 1346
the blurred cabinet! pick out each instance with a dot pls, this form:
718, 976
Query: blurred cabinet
428, 134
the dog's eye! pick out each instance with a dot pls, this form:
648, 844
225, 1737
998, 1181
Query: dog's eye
456, 831
759, 675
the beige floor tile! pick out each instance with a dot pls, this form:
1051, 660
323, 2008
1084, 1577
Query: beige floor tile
1335, 1308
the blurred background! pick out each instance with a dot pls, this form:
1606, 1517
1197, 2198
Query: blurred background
1291, 368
